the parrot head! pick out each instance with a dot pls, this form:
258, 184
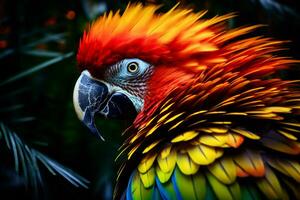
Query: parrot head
119, 94
131, 63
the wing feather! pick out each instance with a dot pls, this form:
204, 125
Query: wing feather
270, 186
224, 191
186, 164
224, 170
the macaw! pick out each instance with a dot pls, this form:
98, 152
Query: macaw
212, 117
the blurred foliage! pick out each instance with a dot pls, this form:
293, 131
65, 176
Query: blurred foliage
38, 41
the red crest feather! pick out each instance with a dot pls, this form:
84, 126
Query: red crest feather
176, 37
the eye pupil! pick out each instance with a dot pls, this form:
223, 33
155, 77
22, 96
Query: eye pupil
132, 67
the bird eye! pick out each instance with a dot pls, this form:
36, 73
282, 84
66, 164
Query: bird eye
133, 67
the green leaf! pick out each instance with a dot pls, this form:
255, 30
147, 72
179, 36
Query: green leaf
26, 163
36, 68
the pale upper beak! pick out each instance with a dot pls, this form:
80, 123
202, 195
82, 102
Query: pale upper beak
91, 97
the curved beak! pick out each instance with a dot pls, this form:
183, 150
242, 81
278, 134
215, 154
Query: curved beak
92, 97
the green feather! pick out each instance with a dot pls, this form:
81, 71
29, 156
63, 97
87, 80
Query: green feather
138, 191
168, 189
223, 191
250, 193
209, 194
190, 186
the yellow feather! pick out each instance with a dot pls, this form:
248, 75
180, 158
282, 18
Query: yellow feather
173, 118
219, 153
176, 125
215, 112
165, 104
185, 136
202, 154
196, 113
287, 134
167, 23
213, 140
206, 130
186, 165
236, 114
278, 109
134, 138
167, 164
183, 23
163, 176
224, 170
146, 163
164, 117
292, 129
167, 107
219, 129
266, 116
148, 178
151, 146
246, 133
166, 151
131, 152
152, 130
145, 17
149, 122
291, 124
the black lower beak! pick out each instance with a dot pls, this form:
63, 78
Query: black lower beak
92, 97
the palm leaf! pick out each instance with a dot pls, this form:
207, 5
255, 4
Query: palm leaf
27, 160
36, 68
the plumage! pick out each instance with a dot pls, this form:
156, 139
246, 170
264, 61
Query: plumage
251, 163
217, 122
186, 164
146, 163
224, 170
136, 189
163, 176
224, 191
167, 162
148, 177
270, 185
190, 187
186, 136
166, 190
290, 168
202, 154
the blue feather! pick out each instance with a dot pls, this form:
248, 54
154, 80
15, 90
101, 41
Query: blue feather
128, 190
156, 195
162, 191
178, 195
